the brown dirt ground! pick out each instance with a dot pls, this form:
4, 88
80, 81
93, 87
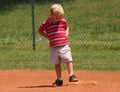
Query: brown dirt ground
41, 80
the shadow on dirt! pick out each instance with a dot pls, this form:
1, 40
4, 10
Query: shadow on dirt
41, 86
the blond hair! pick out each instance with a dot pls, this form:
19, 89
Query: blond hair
56, 9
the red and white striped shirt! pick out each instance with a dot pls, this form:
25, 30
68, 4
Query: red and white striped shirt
56, 32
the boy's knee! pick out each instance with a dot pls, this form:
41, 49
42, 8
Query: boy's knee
57, 65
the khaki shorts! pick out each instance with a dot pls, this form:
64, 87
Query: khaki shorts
60, 54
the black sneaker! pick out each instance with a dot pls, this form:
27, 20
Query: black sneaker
73, 78
58, 83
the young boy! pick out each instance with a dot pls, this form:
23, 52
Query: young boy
56, 30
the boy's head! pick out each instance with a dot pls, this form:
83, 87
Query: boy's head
56, 12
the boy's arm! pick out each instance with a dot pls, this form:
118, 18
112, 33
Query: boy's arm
42, 29
67, 31
43, 34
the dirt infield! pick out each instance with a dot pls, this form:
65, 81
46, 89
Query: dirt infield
41, 81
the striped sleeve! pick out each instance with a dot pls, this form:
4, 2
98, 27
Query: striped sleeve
42, 27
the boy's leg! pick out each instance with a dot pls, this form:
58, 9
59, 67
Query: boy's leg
58, 70
59, 80
70, 67
72, 77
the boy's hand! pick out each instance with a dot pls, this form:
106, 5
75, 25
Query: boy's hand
43, 34
67, 32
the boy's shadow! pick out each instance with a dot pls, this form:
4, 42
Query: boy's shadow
41, 86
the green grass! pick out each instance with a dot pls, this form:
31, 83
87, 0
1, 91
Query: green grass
94, 34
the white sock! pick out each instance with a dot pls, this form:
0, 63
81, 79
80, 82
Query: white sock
59, 78
71, 74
